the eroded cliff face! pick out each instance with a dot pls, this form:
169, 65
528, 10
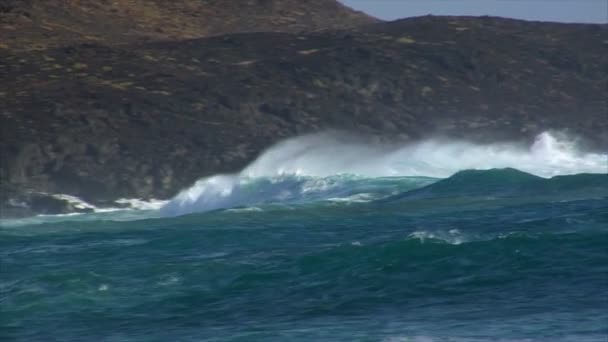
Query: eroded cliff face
104, 121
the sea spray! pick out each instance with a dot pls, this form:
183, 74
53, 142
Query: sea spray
327, 154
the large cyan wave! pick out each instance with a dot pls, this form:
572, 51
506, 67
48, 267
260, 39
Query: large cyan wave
334, 166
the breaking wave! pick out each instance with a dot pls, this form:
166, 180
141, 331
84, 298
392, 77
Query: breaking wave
334, 167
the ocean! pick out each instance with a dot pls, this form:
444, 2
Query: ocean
323, 238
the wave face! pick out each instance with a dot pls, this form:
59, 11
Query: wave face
334, 166
512, 183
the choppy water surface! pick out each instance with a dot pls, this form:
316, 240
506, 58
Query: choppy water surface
478, 256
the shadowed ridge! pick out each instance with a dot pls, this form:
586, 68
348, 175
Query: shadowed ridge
34, 25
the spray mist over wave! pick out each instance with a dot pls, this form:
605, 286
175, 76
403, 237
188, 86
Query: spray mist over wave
325, 155
327, 165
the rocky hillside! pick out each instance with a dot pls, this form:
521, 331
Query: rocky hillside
145, 119
36, 25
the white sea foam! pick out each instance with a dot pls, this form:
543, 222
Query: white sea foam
319, 158
357, 198
453, 236
244, 210
125, 204
139, 204
130, 209
75, 201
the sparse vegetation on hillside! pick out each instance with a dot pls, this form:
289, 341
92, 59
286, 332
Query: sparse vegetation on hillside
35, 25
146, 118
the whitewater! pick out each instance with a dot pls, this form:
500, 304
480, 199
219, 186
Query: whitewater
328, 165
330, 237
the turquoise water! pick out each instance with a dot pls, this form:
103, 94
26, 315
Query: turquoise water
480, 256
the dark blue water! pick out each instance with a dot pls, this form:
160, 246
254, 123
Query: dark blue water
482, 256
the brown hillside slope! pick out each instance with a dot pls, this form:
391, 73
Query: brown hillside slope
147, 120
35, 24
